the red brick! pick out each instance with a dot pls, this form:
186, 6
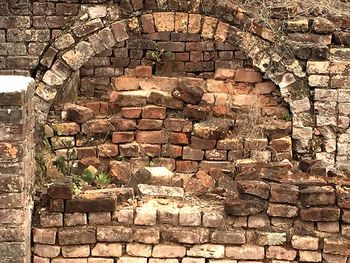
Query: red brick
154, 112
152, 149
248, 75
79, 114
107, 150
119, 31
152, 137
85, 152
94, 106
37, 259
203, 144
223, 74
183, 57
264, 87
173, 151
130, 112
89, 161
219, 86
143, 71
178, 125
147, 23
113, 96
104, 108
186, 166
150, 124
123, 124
122, 137
220, 110
178, 138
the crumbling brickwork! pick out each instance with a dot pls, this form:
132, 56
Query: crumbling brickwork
16, 167
185, 124
293, 219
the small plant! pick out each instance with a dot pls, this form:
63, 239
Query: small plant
87, 176
102, 180
287, 117
121, 158
150, 159
158, 56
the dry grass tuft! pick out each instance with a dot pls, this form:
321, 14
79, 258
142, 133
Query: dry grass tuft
296, 8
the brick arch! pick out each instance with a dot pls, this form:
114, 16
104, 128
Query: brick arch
96, 30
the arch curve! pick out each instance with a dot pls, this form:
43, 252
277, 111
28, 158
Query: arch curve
98, 29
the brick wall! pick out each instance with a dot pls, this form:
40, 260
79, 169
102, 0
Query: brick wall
186, 54
185, 124
79, 45
16, 167
293, 219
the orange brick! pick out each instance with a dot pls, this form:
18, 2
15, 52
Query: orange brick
248, 75
178, 138
131, 112
122, 137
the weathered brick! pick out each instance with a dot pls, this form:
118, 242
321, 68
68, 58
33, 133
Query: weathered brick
278, 252
305, 242
207, 251
281, 210
76, 236
153, 137
168, 251
189, 217
107, 250
320, 214
164, 21
46, 250
44, 236
76, 251
75, 219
